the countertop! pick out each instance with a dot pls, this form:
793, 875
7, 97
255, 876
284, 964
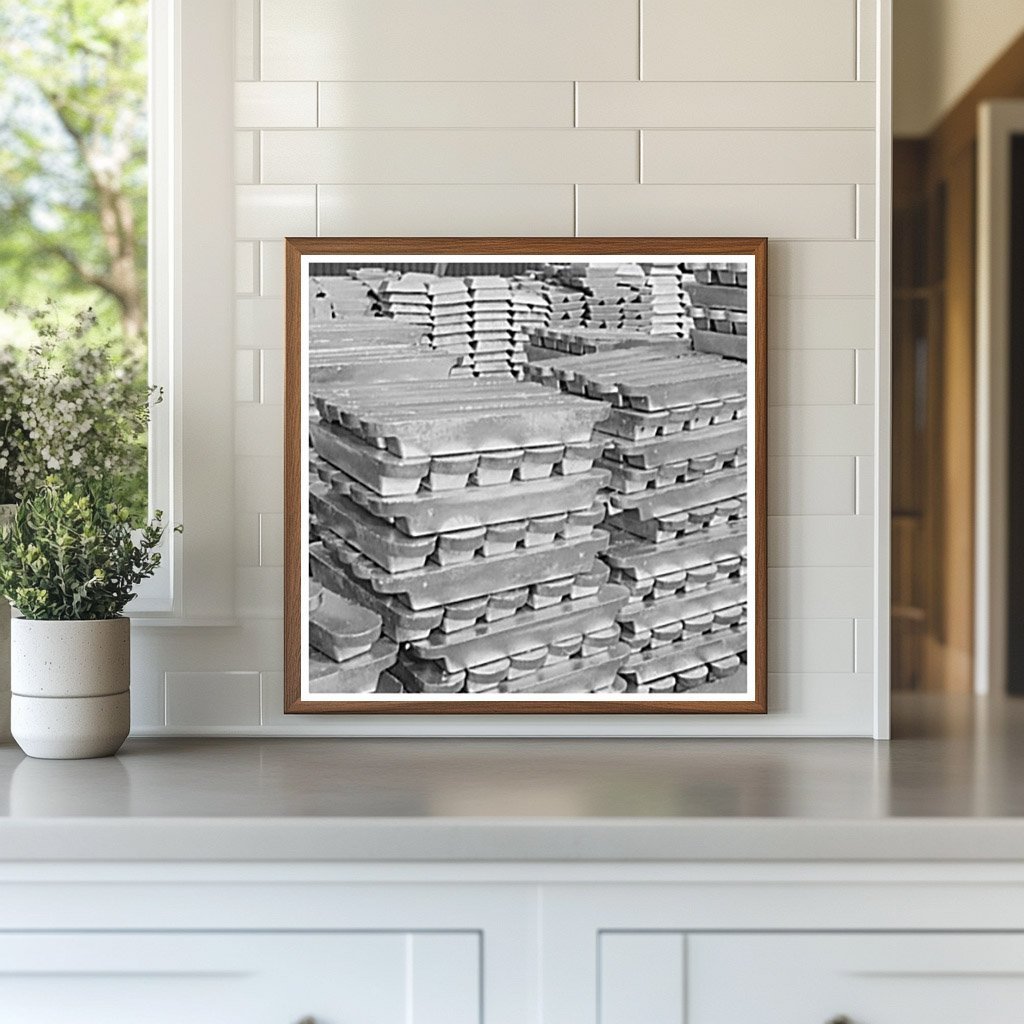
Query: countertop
949, 786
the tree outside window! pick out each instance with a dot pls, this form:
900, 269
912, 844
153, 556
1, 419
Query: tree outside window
73, 173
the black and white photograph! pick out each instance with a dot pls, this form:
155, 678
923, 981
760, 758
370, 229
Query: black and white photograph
524, 481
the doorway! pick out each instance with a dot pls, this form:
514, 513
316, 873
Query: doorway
952, 532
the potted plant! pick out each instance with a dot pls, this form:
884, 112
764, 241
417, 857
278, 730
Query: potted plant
72, 402
11, 435
69, 563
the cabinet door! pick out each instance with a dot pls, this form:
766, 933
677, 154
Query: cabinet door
241, 978
862, 978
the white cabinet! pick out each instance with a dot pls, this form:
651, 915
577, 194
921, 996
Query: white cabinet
786, 944
675, 978
243, 978
869, 979
543, 943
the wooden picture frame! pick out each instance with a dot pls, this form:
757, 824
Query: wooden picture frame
657, 274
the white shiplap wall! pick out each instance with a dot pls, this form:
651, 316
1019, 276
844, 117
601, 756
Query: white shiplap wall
686, 117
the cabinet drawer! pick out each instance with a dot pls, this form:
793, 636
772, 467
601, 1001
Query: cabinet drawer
867, 978
241, 978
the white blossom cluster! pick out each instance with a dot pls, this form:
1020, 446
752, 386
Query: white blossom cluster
67, 408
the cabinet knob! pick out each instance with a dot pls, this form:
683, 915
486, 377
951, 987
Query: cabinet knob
841, 1019
306, 1020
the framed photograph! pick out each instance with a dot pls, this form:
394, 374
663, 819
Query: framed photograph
525, 475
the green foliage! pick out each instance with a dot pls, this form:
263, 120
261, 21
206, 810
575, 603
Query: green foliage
73, 155
71, 554
75, 406
73, 223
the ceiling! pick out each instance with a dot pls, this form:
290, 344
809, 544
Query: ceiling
940, 48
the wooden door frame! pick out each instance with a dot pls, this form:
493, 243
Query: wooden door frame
998, 122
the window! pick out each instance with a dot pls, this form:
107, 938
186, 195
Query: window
74, 181
147, 81
78, 108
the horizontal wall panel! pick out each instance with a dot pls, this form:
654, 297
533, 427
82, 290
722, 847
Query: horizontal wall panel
847, 323
811, 486
462, 118
821, 430
270, 211
247, 539
757, 157
821, 703
865, 485
246, 167
814, 376
865, 376
260, 592
148, 704
246, 49
779, 211
247, 375
799, 704
447, 105
275, 105
271, 376
811, 645
829, 592
726, 105
449, 157
864, 649
821, 268
446, 210
259, 429
245, 645
867, 27
449, 40
259, 483
866, 212
245, 268
259, 323
208, 699
271, 535
271, 268
820, 540
773, 40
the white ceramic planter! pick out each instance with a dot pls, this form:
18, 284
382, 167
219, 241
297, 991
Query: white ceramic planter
6, 515
69, 683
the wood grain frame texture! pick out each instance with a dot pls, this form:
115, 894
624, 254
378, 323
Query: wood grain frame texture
295, 585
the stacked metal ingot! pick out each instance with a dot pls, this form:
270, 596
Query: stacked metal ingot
655, 301
464, 513
718, 293
450, 322
492, 336
553, 342
405, 298
605, 300
439, 306
371, 348
568, 305
346, 652
333, 298
676, 455
668, 314
531, 311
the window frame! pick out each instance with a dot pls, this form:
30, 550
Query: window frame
191, 311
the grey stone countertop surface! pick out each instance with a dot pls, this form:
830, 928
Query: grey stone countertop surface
948, 787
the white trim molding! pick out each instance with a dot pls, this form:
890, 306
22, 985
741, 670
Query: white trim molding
191, 325
998, 122
883, 368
